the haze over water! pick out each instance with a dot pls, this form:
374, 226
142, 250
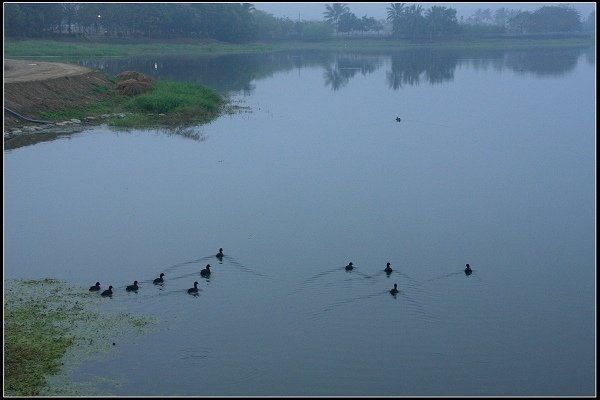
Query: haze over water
492, 164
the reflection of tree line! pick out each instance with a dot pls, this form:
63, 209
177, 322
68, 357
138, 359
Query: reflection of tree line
345, 66
228, 73
235, 73
547, 63
415, 67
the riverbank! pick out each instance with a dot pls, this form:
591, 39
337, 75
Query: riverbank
54, 98
30, 89
70, 48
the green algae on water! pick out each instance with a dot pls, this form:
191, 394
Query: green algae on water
48, 328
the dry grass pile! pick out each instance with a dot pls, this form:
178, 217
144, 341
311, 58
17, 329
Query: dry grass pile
132, 83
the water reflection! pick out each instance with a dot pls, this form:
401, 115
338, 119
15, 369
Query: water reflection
237, 72
549, 62
296, 203
415, 67
192, 133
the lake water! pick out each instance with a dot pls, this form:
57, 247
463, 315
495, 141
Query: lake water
492, 164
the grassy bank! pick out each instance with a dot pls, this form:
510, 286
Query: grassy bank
43, 321
49, 48
166, 104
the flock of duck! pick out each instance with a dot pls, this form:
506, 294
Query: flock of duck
133, 288
206, 273
388, 270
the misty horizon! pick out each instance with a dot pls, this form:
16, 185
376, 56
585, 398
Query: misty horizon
314, 11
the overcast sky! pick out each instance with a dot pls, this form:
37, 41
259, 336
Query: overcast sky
377, 10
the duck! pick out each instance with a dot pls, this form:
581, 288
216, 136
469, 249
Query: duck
194, 289
132, 288
159, 279
206, 271
398, 119
220, 254
395, 289
388, 269
95, 288
107, 292
468, 270
349, 267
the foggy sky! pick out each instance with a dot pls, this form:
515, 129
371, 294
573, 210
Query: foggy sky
377, 10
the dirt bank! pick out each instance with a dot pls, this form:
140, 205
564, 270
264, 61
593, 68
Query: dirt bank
34, 87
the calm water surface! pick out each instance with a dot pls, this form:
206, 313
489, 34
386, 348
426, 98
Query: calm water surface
492, 164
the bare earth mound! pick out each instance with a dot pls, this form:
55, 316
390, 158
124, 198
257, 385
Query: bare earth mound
34, 87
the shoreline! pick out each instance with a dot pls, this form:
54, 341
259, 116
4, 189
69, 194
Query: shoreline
45, 100
29, 48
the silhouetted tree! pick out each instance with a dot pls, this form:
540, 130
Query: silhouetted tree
562, 18
441, 20
348, 22
333, 13
589, 25
520, 23
395, 14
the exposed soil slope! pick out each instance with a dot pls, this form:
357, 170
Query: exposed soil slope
34, 87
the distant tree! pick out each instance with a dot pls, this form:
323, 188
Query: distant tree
333, 13
370, 24
481, 17
407, 21
315, 31
70, 13
395, 14
229, 22
441, 20
520, 23
562, 18
267, 26
36, 19
589, 25
348, 22
15, 20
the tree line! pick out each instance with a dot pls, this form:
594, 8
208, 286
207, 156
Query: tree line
241, 22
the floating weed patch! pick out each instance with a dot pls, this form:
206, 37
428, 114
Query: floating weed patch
48, 328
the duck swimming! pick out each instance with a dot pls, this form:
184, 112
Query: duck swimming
349, 267
468, 270
206, 271
107, 292
395, 289
194, 289
388, 269
132, 288
159, 279
95, 288
220, 254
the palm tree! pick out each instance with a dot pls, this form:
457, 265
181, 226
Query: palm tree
395, 14
334, 12
414, 20
395, 11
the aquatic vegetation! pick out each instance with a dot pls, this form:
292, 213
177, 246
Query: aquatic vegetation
44, 321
